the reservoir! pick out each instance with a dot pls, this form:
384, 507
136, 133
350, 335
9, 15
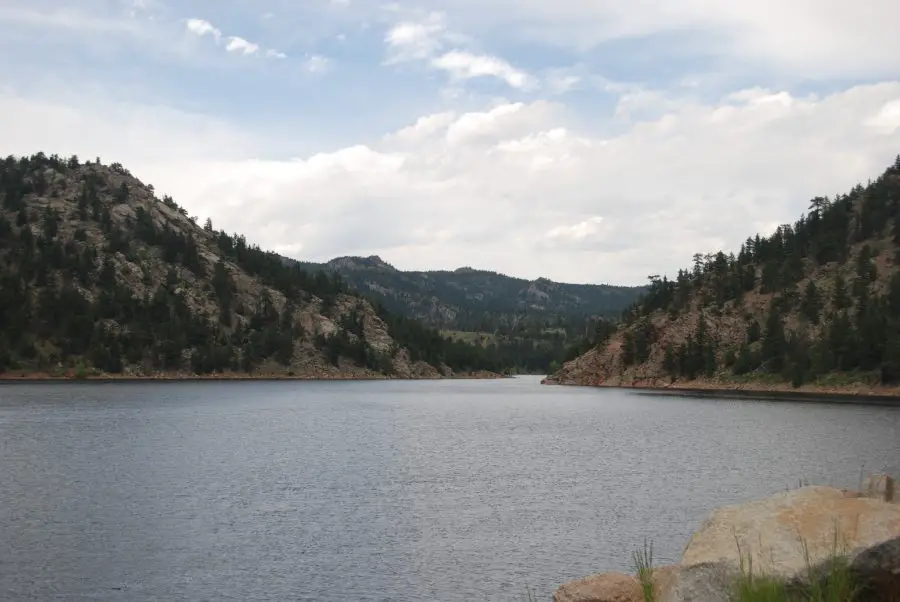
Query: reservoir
385, 491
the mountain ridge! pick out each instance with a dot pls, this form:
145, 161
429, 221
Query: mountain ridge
531, 325
494, 292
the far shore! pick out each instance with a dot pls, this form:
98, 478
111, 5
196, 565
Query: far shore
851, 394
37, 378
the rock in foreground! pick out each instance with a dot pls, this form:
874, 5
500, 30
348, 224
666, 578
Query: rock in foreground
611, 587
777, 531
794, 538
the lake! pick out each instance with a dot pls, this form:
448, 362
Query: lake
375, 491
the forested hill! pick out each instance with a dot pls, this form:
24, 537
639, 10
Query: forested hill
99, 276
816, 304
476, 300
527, 325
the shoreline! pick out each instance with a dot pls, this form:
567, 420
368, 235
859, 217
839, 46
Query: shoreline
40, 378
859, 394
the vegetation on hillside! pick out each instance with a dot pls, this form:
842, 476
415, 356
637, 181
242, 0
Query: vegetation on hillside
97, 273
819, 299
527, 326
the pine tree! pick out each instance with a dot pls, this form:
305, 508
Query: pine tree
774, 342
811, 306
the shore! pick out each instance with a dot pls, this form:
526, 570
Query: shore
42, 377
854, 393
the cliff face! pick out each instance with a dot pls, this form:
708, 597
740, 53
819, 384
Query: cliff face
815, 305
99, 275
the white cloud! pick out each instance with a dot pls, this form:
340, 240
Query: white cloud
464, 65
233, 44
517, 187
239, 45
810, 38
429, 39
416, 40
887, 120
202, 28
582, 231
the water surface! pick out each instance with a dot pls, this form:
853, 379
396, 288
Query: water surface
375, 491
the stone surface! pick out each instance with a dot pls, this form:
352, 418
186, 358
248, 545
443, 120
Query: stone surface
612, 587
606, 587
708, 582
773, 530
881, 487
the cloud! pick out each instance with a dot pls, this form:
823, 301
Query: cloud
241, 46
464, 65
623, 138
517, 187
416, 40
812, 39
233, 44
201, 28
580, 232
430, 40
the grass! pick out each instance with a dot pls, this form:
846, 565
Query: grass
832, 583
643, 566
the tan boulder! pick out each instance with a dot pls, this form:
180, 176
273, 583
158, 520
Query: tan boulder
612, 587
773, 531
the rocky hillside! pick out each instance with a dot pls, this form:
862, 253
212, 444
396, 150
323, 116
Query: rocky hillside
477, 300
526, 326
815, 305
98, 275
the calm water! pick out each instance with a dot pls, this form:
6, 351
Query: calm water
383, 491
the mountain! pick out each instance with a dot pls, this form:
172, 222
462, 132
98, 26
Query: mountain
815, 305
99, 276
475, 300
527, 325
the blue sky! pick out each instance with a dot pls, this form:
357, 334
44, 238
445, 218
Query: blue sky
589, 141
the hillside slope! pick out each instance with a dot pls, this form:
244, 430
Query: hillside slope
98, 275
816, 306
476, 300
527, 326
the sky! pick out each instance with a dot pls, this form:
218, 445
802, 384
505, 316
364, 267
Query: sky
594, 141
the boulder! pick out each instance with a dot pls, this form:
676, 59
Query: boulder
612, 587
876, 572
708, 582
777, 532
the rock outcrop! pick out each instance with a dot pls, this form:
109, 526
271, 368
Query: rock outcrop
794, 537
612, 587
779, 532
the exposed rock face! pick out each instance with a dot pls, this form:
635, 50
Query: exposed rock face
773, 531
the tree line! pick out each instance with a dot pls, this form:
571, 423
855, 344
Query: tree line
830, 310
